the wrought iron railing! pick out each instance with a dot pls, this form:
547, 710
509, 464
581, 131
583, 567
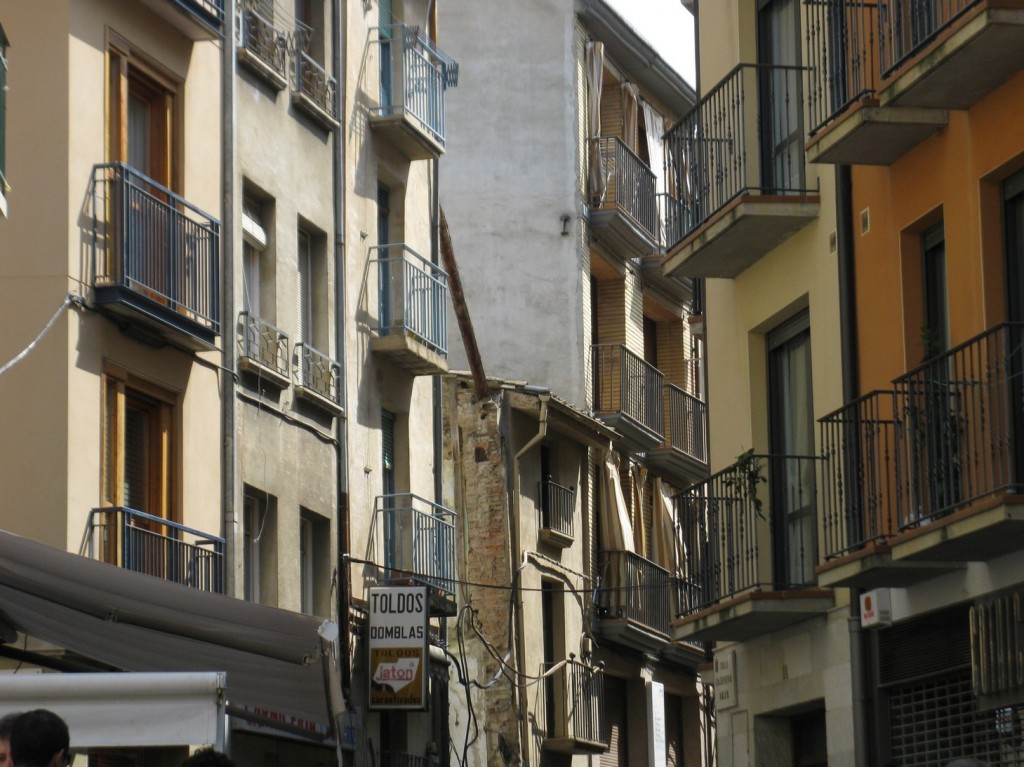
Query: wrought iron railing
153, 242
419, 78
317, 373
907, 26
155, 546
260, 38
417, 540
573, 704
843, 56
413, 295
730, 523
745, 136
634, 588
401, 759
209, 12
557, 504
686, 423
861, 492
313, 82
263, 343
629, 183
625, 383
961, 424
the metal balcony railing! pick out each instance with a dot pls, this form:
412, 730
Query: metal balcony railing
413, 295
634, 588
629, 183
417, 539
626, 383
961, 424
750, 526
156, 244
317, 373
414, 75
259, 37
263, 343
557, 504
400, 759
907, 26
843, 56
573, 701
313, 82
209, 12
686, 423
745, 136
861, 492
155, 546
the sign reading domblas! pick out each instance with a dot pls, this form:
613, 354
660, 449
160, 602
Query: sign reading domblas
398, 647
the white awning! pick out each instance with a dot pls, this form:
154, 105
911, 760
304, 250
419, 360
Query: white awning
136, 622
125, 710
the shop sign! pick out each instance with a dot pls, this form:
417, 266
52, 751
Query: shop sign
398, 647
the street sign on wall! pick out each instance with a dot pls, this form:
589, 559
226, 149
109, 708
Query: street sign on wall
398, 647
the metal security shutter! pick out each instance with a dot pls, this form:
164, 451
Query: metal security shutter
934, 643
614, 725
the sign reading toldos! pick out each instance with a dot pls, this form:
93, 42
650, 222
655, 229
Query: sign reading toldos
398, 647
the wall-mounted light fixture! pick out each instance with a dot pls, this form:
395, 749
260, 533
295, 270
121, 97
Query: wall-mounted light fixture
565, 225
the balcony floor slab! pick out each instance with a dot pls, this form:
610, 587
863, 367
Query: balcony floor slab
405, 133
990, 528
410, 353
737, 236
871, 135
875, 568
629, 633
754, 614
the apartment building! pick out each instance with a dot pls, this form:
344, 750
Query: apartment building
921, 506
758, 223
557, 207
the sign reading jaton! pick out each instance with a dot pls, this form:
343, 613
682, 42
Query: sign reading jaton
398, 647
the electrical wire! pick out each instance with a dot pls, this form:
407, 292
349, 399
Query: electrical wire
68, 300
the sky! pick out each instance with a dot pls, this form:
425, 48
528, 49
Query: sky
667, 26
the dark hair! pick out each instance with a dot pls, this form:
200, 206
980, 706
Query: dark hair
36, 736
206, 757
7, 724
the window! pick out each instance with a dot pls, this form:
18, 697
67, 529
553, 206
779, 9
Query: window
387, 458
137, 442
143, 103
791, 427
3, 122
259, 559
1013, 216
312, 288
933, 270
553, 619
255, 252
310, 14
782, 134
314, 561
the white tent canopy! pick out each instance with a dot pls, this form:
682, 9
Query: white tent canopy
125, 710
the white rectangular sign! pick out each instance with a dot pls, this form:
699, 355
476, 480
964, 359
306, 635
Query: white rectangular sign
656, 724
398, 647
725, 680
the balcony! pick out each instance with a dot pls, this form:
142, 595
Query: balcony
848, 123
317, 379
196, 19
625, 217
750, 537
263, 350
156, 260
314, 92
948, 54
413, 319
633, 600
155, 546
262, 48
401, 759
414, 74
417, 541
684, 454
573, 707
628, 395
927, 477
557, 508
740, 172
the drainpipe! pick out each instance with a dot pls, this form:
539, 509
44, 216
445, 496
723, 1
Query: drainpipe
542, 432
851, 389
229, 402
339, 23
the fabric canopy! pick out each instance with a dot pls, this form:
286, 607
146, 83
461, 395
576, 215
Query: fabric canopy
595, 80
136, 622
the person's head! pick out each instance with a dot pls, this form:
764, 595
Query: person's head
6, 723
207, 757
40, 738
